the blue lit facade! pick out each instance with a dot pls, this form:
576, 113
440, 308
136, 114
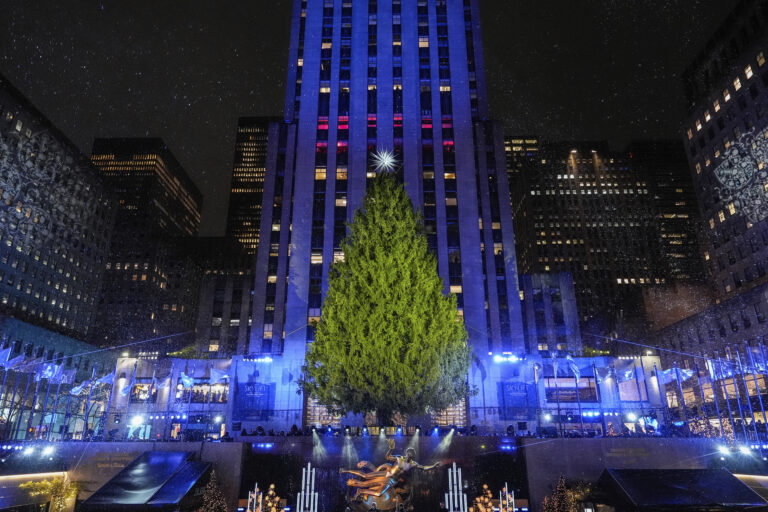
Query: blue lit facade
405, 77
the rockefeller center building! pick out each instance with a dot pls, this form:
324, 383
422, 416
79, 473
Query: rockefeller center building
396, 78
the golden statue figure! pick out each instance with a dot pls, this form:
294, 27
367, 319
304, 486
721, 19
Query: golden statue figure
377, 481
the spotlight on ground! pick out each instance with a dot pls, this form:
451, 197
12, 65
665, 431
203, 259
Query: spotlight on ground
48, 450
445, 443
318, 450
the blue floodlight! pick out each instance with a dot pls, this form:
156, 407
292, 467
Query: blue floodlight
724, 450
744, 450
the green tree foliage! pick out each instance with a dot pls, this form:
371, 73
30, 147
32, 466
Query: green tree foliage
213, 498
57, 490
388, 340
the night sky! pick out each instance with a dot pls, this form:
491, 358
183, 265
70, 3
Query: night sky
185, 71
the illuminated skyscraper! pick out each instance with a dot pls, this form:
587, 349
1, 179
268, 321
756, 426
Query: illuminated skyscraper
247, 186
386, 76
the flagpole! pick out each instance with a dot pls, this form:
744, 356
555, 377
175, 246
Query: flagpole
639, 392
703, 399
5, 376
67, 414
208, 411
88, 401
757, 386
2, 394
103, 423
578, 400
13, 399
32, 409
746, 390
23, 405
189, 400
682, 397
727, 395
53, 411
557, 398
45, 407
618, 400
662, 393
738, 393
712, 379
130, 396
599, 395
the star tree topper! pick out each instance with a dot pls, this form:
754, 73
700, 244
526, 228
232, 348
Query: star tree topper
384, 160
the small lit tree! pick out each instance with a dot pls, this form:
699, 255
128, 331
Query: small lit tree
213, 498
57, 490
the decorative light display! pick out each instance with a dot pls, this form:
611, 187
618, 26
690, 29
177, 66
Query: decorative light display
743, 175
384, 160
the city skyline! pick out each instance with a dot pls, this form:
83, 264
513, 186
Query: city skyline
624, 85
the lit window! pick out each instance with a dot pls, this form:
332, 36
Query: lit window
727, 95
736, 83
760, 59
698, 125
316, 258
706, 255
721, 216
716, 105
711, 223
707, 117
748, 72
731, 208
456, 288
698, 168
341, 201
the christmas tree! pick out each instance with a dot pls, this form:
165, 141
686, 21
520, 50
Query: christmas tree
389, 340
213, 499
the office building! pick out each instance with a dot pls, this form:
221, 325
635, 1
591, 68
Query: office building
725, 136
226, 296
550, 315
404, 78
580, 209
55, 222
151, 285
247, 188
663, 166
